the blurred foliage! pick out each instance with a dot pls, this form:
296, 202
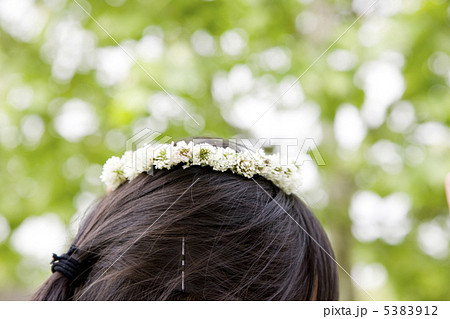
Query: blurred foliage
45, 173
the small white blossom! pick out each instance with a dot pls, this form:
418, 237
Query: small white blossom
203, 154
129, 169
144, 159
230, 156
182, 152
259, 158
219, 162
271, 168
112, 174
137, 162
292, 184
245, 164
162, 157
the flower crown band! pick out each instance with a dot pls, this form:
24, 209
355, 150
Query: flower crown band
118, 170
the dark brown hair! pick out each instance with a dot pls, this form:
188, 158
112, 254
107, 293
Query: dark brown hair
243, 241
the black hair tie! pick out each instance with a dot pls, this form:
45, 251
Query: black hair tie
67, 265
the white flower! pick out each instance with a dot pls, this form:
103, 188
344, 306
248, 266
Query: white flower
112, 174
203, 154
137, 162
144, 159
230, 157
259, 158
245, 164
292, 184
129, 166
271, 167
162, 157
182, 152
218, 161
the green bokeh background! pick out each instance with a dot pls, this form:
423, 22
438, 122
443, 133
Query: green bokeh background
37, 175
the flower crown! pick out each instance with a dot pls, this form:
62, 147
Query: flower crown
117, 171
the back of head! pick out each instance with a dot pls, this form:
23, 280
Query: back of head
242, 239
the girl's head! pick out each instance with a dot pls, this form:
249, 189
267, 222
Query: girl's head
243, 239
